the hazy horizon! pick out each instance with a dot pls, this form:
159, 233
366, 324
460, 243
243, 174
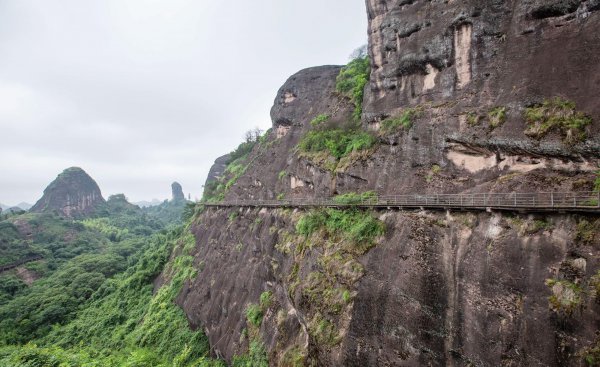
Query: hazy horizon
143, 93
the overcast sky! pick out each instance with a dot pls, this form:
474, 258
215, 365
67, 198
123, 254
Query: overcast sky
140, 93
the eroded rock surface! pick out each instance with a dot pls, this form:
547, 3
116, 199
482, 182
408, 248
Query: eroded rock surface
73, 193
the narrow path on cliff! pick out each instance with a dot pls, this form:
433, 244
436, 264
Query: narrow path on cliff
514, 201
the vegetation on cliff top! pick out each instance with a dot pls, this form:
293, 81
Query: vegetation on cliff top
352, 80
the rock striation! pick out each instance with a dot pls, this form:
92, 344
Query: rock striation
481, 54
72, 194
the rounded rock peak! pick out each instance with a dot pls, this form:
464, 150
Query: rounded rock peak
72, 194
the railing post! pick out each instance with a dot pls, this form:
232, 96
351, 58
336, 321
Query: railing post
515, 198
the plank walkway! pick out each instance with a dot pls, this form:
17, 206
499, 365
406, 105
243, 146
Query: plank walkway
514, 201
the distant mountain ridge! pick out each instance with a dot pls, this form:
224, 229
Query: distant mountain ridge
146, 204
23, 205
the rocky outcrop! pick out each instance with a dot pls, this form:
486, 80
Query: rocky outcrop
72, 194
302, 95
217, 169
177, 192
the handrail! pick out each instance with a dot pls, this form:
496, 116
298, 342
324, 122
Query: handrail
589, 201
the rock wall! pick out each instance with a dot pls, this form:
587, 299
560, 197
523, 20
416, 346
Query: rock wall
440, 288
482, 54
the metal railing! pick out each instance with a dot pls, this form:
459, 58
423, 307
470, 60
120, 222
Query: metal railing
588, 201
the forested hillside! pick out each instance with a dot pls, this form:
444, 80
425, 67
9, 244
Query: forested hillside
83, 292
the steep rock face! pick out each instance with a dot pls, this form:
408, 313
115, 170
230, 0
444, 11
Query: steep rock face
440, 288
73, 193
482, 54
456, 289
303, 94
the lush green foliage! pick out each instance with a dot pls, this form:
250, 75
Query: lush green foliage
337, 142
405, 120
169, 213
265, 300
355, 225
124, 323
242, 151
55, 299
352, 80
95, 306
354, 198
52, 237
77, 258
256, 357
254, 314
319, 120
557, 115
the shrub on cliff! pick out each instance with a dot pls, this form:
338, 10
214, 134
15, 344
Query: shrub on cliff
352, 198
560, 116
354, 225
405, 120
337, 142
352, 80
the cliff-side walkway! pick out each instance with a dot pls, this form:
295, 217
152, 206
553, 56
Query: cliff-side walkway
514, 201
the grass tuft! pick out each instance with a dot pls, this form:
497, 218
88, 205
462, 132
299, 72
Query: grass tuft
557, 115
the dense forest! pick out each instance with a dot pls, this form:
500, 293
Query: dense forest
82, 292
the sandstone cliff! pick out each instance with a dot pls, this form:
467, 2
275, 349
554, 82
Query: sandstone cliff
73, 193
438, 288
